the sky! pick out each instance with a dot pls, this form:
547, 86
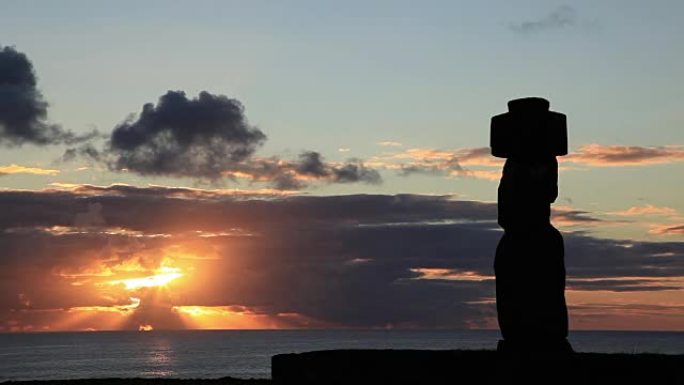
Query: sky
306, 164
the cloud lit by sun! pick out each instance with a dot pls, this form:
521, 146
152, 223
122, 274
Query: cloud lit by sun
145, 328
162, 277
146, 292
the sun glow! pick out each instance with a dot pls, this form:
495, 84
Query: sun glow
145, 328
164, 275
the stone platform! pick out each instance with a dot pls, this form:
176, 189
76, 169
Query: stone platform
472, 367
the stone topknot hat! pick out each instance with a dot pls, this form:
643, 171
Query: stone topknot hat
529, 130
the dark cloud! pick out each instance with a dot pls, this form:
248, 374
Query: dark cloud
309, 167
209, 138
159, 208
23, 110
344, 260
199, 137
561, 17
430, 162
669, 230
355, 172
431, 169
86, 150
564, 217
591, 257
311, 164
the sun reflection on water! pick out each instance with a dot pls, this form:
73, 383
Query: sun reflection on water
159, 358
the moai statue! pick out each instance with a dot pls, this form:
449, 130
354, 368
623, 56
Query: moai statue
529, 263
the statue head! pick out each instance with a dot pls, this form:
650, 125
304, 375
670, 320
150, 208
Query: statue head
529, 130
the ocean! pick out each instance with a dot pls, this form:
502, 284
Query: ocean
247, 353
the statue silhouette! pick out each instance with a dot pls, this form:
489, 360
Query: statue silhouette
529, 263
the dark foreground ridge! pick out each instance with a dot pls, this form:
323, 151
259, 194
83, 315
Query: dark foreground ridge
147, 381
473, 367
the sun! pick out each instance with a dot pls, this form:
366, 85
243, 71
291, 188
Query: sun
162, 277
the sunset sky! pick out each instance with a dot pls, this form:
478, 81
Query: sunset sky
325, 164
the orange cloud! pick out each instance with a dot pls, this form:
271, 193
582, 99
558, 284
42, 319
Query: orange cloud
635, 310
476, 156
616, 156
459, 162
93, 230
16, 169
121, 189
450, 274
441, 162
667, 229
480, 156
646, 210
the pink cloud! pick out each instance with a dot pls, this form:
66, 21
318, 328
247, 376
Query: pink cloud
667, 229
647, 209
616, 156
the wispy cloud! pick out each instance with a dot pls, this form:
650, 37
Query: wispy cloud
16, 169
561, 17
478, 163
667, 229
644, 210
389, 143
119, 190
615, 155
567, 216
452, 163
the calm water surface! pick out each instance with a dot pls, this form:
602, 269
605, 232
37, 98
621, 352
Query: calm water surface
246, 354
